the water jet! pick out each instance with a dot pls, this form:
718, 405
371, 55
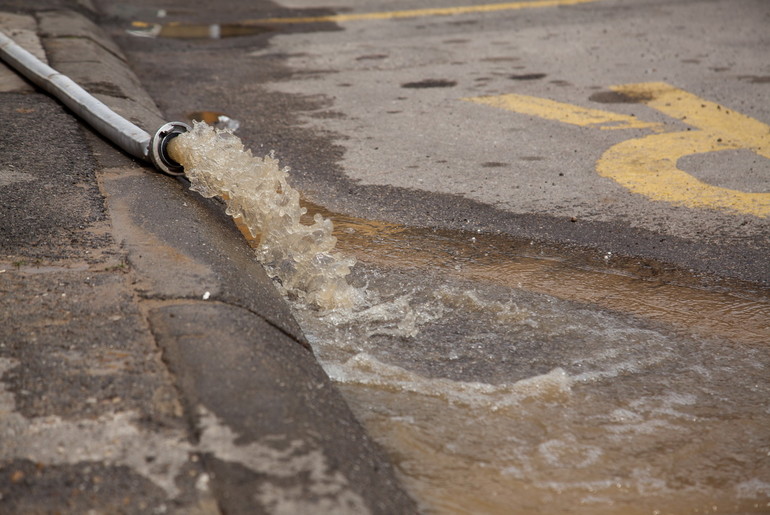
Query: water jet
300, 257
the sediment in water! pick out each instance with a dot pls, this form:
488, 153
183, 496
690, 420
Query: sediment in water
256, 190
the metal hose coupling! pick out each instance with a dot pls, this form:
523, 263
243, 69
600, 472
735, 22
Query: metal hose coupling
158, 152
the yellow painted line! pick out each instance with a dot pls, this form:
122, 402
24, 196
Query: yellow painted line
416, 13
730, 126
648, 165
565, 113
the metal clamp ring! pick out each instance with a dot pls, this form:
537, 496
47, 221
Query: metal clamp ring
158, 153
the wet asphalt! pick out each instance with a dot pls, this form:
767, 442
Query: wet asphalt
124, 391
373, 118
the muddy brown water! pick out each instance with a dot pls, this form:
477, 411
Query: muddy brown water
504, 379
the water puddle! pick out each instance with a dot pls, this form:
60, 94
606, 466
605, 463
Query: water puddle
501, 380
179, 30
525, 385
500, 260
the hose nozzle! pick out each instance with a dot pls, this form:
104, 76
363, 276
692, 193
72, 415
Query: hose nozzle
158, 152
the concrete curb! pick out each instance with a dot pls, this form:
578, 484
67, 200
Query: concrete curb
272, 432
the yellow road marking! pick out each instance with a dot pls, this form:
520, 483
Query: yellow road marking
648, 165
416, 13
708, 116
566, 113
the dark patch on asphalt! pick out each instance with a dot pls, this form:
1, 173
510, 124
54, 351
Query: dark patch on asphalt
280, 55
615, 97
430, 83
502, 59
610, 97
371, 57
328, 115
464, 22
494, 164
527, 76
756, 79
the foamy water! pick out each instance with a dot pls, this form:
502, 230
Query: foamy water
364, 369
538, 405
257, 191
491, 398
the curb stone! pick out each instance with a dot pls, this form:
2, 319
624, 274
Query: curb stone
23, 29
80, 49
265, 429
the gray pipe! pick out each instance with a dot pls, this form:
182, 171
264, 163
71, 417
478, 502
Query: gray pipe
107, 122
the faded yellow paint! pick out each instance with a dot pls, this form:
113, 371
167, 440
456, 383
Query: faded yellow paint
566, 113
648, 165
416, 13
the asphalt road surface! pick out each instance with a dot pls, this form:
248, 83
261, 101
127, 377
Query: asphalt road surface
471, 157
623, 128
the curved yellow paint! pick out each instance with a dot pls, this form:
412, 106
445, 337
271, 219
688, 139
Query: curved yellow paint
648, 165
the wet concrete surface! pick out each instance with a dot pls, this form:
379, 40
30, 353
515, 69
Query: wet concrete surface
278, 428
176, 258
181, 446
98, 408
500, 259
90, 413
69, 200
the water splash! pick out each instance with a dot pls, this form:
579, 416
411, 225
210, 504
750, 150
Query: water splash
366, 370
300, 257
653, 403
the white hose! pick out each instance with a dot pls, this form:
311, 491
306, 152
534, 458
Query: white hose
105, 121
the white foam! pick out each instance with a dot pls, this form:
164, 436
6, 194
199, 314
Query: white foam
257, 191
364, 369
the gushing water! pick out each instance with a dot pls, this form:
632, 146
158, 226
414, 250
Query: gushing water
256, 190
503, 383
